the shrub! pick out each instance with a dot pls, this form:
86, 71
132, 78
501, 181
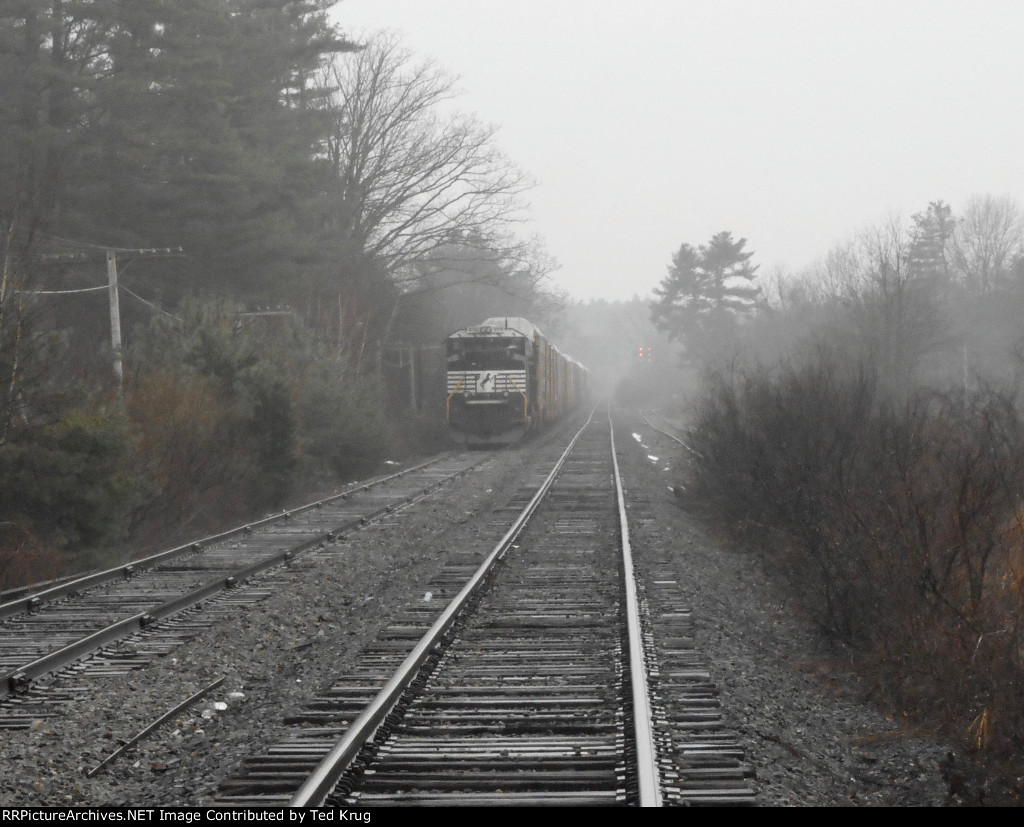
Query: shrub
240, 411
65, 485
23, 558
187, 453
898, 522
342, 429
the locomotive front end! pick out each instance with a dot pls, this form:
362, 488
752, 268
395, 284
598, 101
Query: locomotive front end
488, 400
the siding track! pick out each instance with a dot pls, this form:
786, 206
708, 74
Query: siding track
155, 604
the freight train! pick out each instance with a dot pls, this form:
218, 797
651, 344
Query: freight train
505, 380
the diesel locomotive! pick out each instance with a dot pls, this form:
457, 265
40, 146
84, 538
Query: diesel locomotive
506, 379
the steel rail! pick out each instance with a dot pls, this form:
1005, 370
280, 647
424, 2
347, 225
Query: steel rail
170, 713
19, 678
665, 433
328, 772
643, 727
66, 587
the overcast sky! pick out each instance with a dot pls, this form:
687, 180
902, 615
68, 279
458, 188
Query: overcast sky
791, 123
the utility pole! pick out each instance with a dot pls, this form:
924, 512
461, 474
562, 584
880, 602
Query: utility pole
413, 380
115, 317
115, 304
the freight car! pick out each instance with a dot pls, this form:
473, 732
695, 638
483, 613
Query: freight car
505, 379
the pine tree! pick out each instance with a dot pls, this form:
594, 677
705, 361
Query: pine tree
706, 292
184, 123
930, 236
728, 276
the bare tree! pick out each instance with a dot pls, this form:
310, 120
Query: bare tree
896, 307
411, 176
410, 179
837, 274
987, 239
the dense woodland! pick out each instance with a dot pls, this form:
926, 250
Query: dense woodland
285, 212
861, 427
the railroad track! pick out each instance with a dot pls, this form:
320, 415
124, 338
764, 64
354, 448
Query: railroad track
50, 638
553, 676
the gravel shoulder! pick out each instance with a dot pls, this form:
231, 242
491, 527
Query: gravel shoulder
811, 739
809, 733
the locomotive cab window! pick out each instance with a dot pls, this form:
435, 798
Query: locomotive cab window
486, 354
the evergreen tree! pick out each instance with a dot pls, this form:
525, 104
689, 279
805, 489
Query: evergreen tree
707, 290
185, 123
679, 296
930, 237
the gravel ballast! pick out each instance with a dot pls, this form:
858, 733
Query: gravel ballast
809, 736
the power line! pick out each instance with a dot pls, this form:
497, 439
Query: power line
95, 251
63, 292
144, 301
110, 253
